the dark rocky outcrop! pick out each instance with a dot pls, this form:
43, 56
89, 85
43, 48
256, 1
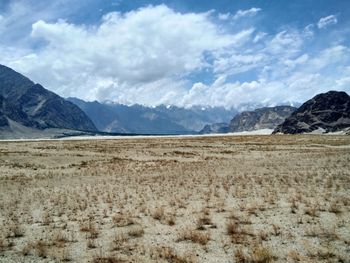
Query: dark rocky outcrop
327, 112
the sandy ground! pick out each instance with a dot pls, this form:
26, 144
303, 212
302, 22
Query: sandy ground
176, 199
116, 137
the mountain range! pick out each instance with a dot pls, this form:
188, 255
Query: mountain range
324, 113
119, 118
262, 118
28, 110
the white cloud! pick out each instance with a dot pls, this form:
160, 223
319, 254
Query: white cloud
287, 75
246, 13
128, 50
297, 86
343, 83
308, 31
259, 36
237, 63
18, 18
298, 61
286, 43
327, 21
19, 15
224, 17
331, 56
263, 51
150, 55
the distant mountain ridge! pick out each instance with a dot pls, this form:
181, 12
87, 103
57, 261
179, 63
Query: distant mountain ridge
113, 117
262, 118
258, 119
24, 103
26, 108
221, 127
326, 112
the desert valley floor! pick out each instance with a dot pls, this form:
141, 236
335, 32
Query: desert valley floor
193, 199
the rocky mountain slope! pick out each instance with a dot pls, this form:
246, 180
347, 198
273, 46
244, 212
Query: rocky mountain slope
326, 112
26, 104
215, 128
112, 117
263, 118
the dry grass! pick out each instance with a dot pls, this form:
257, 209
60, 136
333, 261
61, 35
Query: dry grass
121, 220
240, 199
158, 213
261, 254
169, 255
136, 231
40, 249
107, 260
195, 236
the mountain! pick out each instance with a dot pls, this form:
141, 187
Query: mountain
221, 127
28, 105
3, 120
113, 117
125, 119
326, 112
196, 117
263, 118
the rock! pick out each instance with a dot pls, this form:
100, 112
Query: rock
326, 112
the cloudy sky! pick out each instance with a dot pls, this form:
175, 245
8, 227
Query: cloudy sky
183, 52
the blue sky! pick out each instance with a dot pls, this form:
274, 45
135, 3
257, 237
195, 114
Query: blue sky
219, 53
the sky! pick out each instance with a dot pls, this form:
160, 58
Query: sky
229, 53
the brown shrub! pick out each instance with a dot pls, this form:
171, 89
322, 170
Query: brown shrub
194, 236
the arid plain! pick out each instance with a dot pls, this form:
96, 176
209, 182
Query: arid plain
182, 199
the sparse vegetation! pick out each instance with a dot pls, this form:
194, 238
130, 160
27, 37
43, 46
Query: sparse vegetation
158, 213
261, 254
240, 199
136, 231
168, 254
195, 236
